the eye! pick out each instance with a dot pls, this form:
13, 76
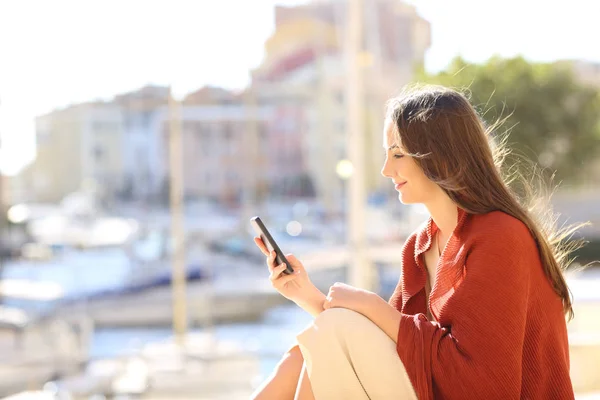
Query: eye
398, 155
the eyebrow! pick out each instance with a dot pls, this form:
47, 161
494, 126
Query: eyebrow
394, 146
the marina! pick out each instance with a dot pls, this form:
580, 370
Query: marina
229, 360
124, 343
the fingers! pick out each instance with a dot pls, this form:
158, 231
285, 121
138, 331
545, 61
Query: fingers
271, 261
330, 299
261, 245
276, 272
278, 280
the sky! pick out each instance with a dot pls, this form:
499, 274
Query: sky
59, 52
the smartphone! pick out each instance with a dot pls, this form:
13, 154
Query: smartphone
270, 243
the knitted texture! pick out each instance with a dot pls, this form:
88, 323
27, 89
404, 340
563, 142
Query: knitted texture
500, 331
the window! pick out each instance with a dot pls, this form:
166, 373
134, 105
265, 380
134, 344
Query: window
199, 130
145, 119
227, 133
263, 137
216, 128
204, 144
232, 176
188, 126
98, 153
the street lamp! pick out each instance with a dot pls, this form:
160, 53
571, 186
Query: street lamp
18, 214
344, 169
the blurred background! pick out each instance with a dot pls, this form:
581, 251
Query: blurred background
137, 139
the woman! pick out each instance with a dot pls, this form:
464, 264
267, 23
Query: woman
478, 312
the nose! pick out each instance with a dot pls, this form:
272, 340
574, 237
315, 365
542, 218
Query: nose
385, 170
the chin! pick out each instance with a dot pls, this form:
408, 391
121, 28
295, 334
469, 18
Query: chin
405, 200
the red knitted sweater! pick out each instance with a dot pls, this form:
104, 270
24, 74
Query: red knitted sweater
501, 331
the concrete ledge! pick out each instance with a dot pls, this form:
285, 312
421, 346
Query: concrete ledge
585, 362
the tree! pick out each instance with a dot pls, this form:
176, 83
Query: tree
553, 119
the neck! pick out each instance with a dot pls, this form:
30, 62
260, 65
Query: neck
444, 213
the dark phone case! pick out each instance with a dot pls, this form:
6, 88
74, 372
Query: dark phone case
268, 240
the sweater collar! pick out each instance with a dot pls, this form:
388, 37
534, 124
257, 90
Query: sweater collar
449, 271
425, 236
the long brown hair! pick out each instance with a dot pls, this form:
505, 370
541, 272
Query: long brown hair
443, 132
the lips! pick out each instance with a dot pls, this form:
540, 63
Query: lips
399, 185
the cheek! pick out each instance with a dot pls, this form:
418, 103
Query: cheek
418, 181
408, 170
404, 168
425, 187
422, 184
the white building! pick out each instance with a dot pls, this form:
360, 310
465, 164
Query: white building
144, 170
305, 62
77, 148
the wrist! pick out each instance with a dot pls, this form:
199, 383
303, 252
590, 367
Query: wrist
313, 302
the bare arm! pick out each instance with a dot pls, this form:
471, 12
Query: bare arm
382, 314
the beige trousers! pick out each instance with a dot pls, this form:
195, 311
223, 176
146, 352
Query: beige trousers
349, 357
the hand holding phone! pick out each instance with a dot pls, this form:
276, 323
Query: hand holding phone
270, 244
292, 283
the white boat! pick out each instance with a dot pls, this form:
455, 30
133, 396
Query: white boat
75, 222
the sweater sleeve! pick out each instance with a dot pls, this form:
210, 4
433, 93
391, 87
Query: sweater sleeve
477, 354
408, 250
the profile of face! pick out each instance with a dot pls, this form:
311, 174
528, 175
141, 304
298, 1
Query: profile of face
408, 178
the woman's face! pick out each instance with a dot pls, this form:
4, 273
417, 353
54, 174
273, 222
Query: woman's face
408, 178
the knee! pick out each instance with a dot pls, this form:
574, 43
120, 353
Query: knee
331, 328
336, 319
334, 325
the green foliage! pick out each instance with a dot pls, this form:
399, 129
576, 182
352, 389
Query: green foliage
553, 119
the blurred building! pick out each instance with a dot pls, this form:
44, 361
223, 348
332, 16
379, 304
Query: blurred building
113, 148
144, 169
215, 151
15, 189
78, 148
5, 190
120, 148
304, 68
232, 143
4, 182
284, 135
285, 159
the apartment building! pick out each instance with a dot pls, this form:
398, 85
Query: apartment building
305, 65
